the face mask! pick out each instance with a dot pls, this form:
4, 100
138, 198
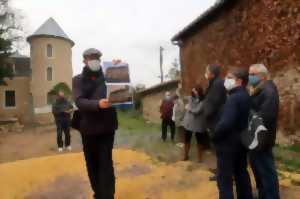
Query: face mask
94, 65
254, 80
229, 84
168, 97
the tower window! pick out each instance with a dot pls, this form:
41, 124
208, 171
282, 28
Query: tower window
10, 99
49, 73
49, 50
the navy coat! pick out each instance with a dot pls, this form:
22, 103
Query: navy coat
234, 119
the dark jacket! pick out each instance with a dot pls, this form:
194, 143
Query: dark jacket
265, 101
215, 98
166, 109
60, 108
234, 119
88, 88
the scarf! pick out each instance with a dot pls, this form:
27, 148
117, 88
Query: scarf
91, 80
257, 89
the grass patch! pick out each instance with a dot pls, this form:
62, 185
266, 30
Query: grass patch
288, 158
133, 121
135, 133
294, 148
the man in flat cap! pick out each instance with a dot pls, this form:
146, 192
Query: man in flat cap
98, 123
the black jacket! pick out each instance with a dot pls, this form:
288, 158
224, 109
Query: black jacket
214, 100
88, 88
234, 119
265, 102
60, 108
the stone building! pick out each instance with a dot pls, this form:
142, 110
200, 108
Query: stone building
244, 32
15, 101
151, 99
26, 96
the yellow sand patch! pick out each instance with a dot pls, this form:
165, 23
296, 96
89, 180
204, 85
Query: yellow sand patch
176, 181
138, 177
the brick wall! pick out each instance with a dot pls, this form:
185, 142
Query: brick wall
254, 31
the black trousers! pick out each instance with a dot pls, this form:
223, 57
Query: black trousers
63, 127
164, 127
202, 138
232, 165
98, 155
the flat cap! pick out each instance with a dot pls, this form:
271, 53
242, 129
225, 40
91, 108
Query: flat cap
91, 51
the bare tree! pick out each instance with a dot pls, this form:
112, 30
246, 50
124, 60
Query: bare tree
10, 32
174, 71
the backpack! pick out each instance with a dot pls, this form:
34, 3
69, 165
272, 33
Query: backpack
255, 136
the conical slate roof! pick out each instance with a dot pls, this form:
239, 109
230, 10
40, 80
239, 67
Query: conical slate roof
50, 29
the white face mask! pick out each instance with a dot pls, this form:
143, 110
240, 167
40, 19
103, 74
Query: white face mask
94, 65
229, 84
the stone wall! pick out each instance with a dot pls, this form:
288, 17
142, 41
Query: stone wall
23, 110
151, 104
254, 31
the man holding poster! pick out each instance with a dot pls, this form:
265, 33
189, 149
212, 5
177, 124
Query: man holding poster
97, 124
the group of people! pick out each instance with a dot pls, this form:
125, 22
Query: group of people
218, 116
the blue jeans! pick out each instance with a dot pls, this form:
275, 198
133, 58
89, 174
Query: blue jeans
264, 169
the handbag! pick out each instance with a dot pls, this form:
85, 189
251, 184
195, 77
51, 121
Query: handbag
255, 136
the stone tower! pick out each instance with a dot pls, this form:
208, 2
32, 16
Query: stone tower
51, 64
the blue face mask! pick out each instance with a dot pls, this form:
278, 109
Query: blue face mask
254, 80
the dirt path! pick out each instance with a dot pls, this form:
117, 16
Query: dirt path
147, 169
34, 142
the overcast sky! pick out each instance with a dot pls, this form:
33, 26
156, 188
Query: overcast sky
130, 30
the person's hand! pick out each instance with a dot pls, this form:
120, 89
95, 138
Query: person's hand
251, 90
69, 111
104, 103
187, 107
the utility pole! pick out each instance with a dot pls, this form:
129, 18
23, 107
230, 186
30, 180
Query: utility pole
161, 59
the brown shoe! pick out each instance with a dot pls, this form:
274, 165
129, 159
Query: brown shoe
200, 149
186, 151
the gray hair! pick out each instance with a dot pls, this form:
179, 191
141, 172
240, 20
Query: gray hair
261, 68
